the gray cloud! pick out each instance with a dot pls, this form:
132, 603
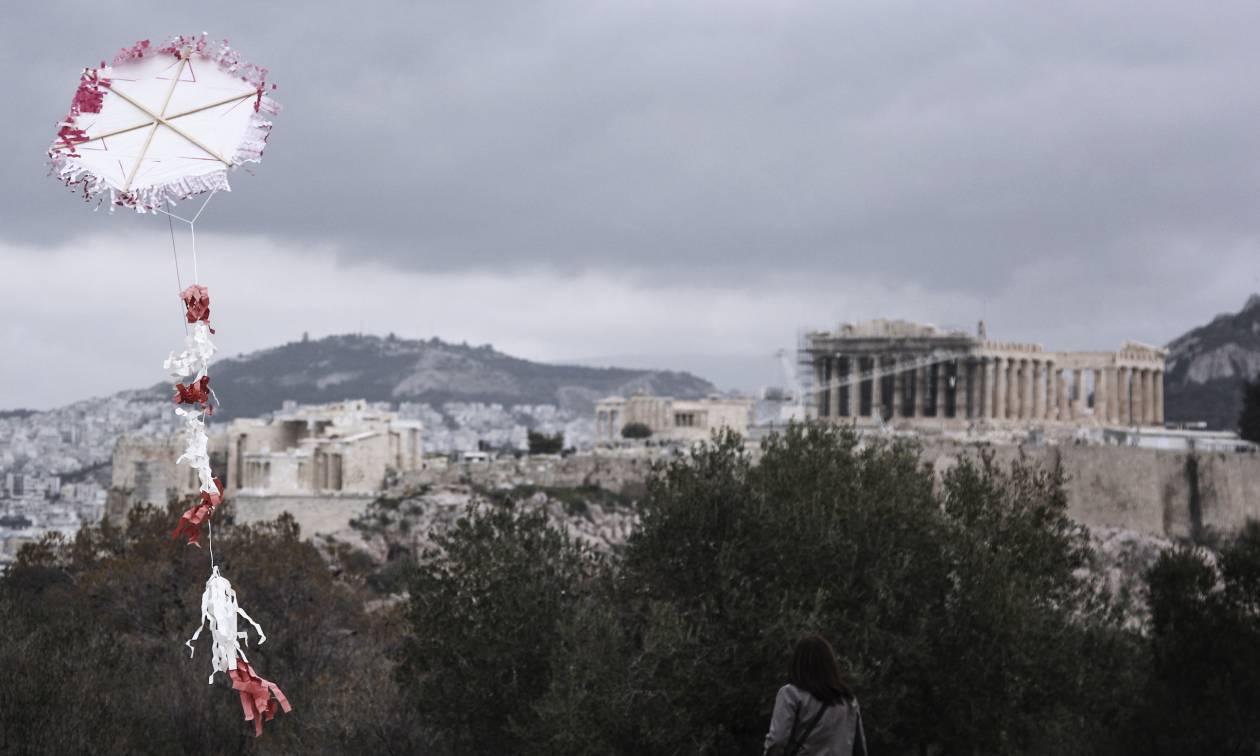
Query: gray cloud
956, 147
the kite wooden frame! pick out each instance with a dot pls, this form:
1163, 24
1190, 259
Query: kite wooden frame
161, 119
198, 109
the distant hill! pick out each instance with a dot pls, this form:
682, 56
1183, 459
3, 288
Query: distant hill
1207, 366
400, 370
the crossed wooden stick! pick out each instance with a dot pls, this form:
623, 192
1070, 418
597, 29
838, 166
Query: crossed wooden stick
161, 119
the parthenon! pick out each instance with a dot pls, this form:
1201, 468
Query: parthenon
899, 372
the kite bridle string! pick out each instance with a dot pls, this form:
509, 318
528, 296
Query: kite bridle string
179, 284
192, 232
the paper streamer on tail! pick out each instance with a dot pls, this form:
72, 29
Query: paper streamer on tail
197, 515
219, 612
256, 695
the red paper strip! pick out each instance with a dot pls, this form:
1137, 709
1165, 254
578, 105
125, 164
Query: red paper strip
90, 95
197, 303
195, 393
198, 514
135, 52
256, 695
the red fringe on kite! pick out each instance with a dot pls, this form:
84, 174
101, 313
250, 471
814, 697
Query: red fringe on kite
197, 302
197, 515
197, 392
256, 694
90, 95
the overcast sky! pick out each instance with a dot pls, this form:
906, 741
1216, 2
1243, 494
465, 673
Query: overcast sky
673, 184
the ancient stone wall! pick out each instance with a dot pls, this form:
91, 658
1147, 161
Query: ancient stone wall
1167, 494
315, 515
1174, 494
613, 472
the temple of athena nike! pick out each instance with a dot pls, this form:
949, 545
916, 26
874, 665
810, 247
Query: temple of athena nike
905, 374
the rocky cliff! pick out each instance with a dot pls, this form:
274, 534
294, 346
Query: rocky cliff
1207, 366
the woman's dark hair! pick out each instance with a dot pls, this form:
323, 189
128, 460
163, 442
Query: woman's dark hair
814, 669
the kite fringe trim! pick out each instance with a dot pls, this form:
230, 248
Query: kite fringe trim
70, 170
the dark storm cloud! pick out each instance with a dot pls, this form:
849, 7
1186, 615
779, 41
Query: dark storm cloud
948, 145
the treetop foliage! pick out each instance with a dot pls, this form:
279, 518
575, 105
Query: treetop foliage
1249, 418
961, 606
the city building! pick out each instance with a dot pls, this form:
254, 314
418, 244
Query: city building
903, 373
347, 447
669, 419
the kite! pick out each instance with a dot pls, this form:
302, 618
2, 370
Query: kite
156, 126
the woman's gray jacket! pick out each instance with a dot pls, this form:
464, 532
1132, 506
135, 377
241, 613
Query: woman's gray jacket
832, 736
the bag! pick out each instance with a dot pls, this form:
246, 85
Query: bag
859, 736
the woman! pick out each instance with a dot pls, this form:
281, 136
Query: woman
815, 714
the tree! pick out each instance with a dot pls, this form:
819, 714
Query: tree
95, 629
636, 431
934, 600
1204, 648
485, 612
542, 443
1249, 418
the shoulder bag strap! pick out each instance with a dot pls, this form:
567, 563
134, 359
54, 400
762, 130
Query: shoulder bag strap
794, 748
859, 738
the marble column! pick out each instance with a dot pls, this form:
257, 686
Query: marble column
1102, 394
1159, 398
1078, 393
1010, 388
1019, 387
829, 378
1127, 407
1014, 389
1065, 398
1122, 396
1139, 397
999, 388
920, 389
877, 389
941, 380
1052, 409
1027, 404
820, 385
1148, 397
1036, 403
986, 387
1025, 389
898, 388
970, 406
1038, 395
1113, 395
855, 387
836, 380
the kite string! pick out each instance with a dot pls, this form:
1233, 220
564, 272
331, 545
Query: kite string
179, 283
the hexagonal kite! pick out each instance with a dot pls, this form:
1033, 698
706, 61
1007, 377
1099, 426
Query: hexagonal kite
156, 126
163, 123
